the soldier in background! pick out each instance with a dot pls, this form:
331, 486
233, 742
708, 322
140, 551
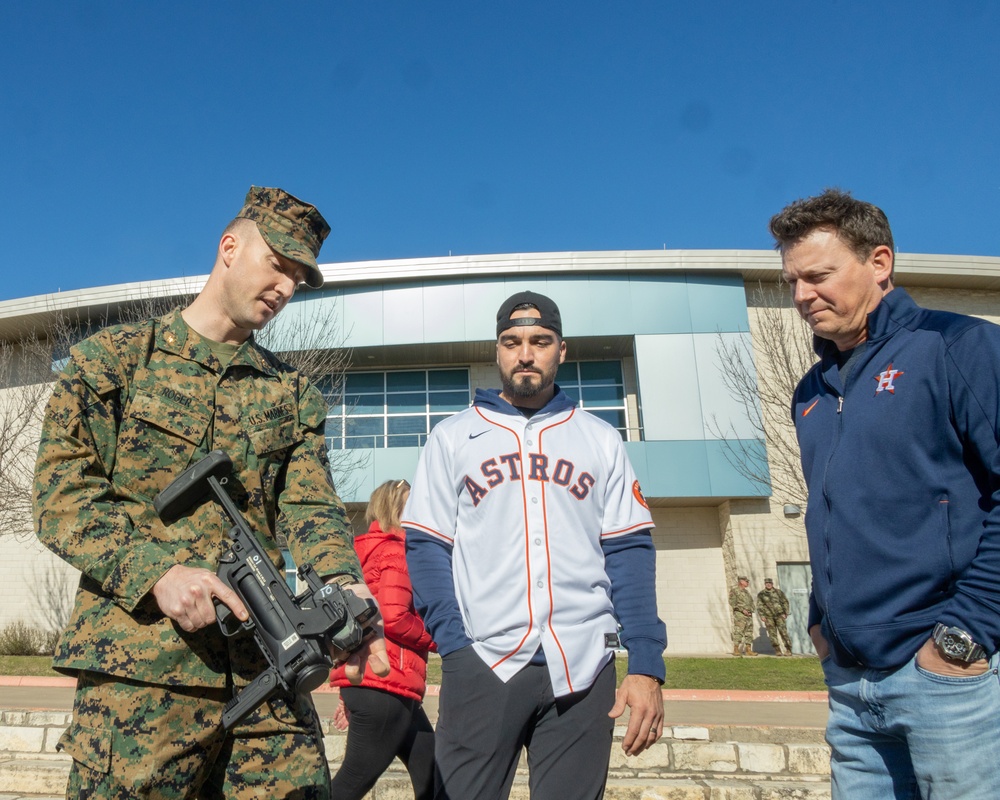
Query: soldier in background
772, 608
741, 603
134, 406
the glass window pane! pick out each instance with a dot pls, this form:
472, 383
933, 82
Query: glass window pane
324, 384
405, 381
359, 382
335, 409
600, 372
436, 419
567, 373
412, 402
449, 379
571, 391
358, 426
406, 440
397, 402
449, 401
363, 442
603, 395
407, 424
365, 403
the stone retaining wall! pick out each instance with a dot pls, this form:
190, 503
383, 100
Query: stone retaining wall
688, 763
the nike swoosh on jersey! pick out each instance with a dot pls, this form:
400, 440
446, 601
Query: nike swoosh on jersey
477, 435
810, 407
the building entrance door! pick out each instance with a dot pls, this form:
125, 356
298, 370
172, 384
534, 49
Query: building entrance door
794, 580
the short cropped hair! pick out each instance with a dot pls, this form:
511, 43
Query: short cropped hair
237, 224
860, 225
386, 504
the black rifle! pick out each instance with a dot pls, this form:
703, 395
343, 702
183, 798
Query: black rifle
293, 633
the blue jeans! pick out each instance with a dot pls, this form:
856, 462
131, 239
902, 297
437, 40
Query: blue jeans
909, 734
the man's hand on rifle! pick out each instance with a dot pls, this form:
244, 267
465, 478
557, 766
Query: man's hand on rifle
185, 595
372, 651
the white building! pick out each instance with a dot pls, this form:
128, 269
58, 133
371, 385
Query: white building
644, 331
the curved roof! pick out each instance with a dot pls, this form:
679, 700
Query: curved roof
947, 271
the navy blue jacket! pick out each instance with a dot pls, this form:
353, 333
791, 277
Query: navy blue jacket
903, 471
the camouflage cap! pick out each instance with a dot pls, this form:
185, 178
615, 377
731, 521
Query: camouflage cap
291, 228
743, 578
768, 580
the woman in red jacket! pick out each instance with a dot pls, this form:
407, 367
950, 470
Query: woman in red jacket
384, 716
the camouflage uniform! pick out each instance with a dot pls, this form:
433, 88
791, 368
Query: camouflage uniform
772, 608
741, 603
134, 406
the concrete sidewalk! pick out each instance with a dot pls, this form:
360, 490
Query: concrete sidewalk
694, 707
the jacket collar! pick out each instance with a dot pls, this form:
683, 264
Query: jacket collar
174, 335
892, 312
491, 399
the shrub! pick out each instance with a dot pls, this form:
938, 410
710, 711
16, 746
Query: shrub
50, 639
19, 639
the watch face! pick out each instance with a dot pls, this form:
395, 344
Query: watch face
954, 646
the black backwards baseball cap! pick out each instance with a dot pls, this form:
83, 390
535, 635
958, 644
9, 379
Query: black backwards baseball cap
548, 313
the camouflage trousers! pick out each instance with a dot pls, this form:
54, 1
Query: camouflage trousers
777, 632
742, 630
134, 740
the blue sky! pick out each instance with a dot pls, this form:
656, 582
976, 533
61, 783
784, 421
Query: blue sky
130, 131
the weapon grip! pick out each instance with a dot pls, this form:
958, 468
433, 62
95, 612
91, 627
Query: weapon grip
229, 623
255, 693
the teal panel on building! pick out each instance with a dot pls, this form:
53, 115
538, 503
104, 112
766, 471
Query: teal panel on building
664, 469
690, 469
613, 304
718, 303
376, 467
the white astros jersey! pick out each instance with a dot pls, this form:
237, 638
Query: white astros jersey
525, 505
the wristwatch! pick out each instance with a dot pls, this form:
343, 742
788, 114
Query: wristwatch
956, 644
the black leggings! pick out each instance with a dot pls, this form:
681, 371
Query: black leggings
384, 726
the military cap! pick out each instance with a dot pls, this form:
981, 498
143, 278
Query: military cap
291, 228
743, 578
768, 580
548, 312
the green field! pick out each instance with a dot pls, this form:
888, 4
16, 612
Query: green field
28, 665
761, 674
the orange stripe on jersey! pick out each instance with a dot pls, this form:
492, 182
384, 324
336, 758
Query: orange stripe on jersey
548, 560
424, 529
527, 538
631, 529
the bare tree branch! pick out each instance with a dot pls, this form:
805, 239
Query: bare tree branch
309, 338
761, 373
26, 380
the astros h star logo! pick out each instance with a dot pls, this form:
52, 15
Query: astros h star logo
886, 378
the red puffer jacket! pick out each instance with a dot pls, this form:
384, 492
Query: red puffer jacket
383, 559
